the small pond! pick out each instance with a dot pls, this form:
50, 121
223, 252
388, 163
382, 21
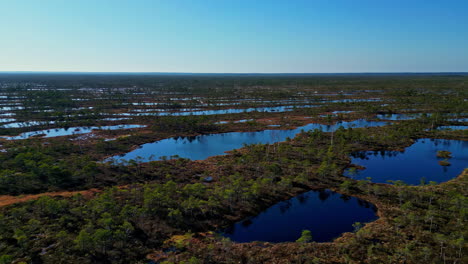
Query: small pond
448, 128
325, 213
26, 124
417, 161
11, 108
465, 119
353, 100
115, 119
238, 121
222, 111
57, 132
6, 120
395, 117
341, 112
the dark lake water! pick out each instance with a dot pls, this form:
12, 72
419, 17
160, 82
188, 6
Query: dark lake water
204, 146
325, 213
417, 161
56, 132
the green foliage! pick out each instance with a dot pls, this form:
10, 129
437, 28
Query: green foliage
6, 259
357, 226
346, 185
306, 237
444, 154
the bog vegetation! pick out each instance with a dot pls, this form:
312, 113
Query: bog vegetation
171, 209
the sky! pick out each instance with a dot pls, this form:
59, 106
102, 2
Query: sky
234, 36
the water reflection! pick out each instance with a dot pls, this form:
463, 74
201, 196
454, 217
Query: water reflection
325, 213
395, 117
414, 163
56, 132
203, 146
222, 111
449, 128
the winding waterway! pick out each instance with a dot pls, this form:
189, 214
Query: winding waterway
203, 146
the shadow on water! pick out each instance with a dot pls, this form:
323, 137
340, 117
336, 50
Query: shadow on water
418, 162
325, 213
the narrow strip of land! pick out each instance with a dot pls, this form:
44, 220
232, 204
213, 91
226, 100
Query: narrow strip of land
9, 199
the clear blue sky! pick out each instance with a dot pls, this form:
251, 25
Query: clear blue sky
234, 35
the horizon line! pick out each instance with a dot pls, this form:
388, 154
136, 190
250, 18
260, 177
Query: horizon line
241, 73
